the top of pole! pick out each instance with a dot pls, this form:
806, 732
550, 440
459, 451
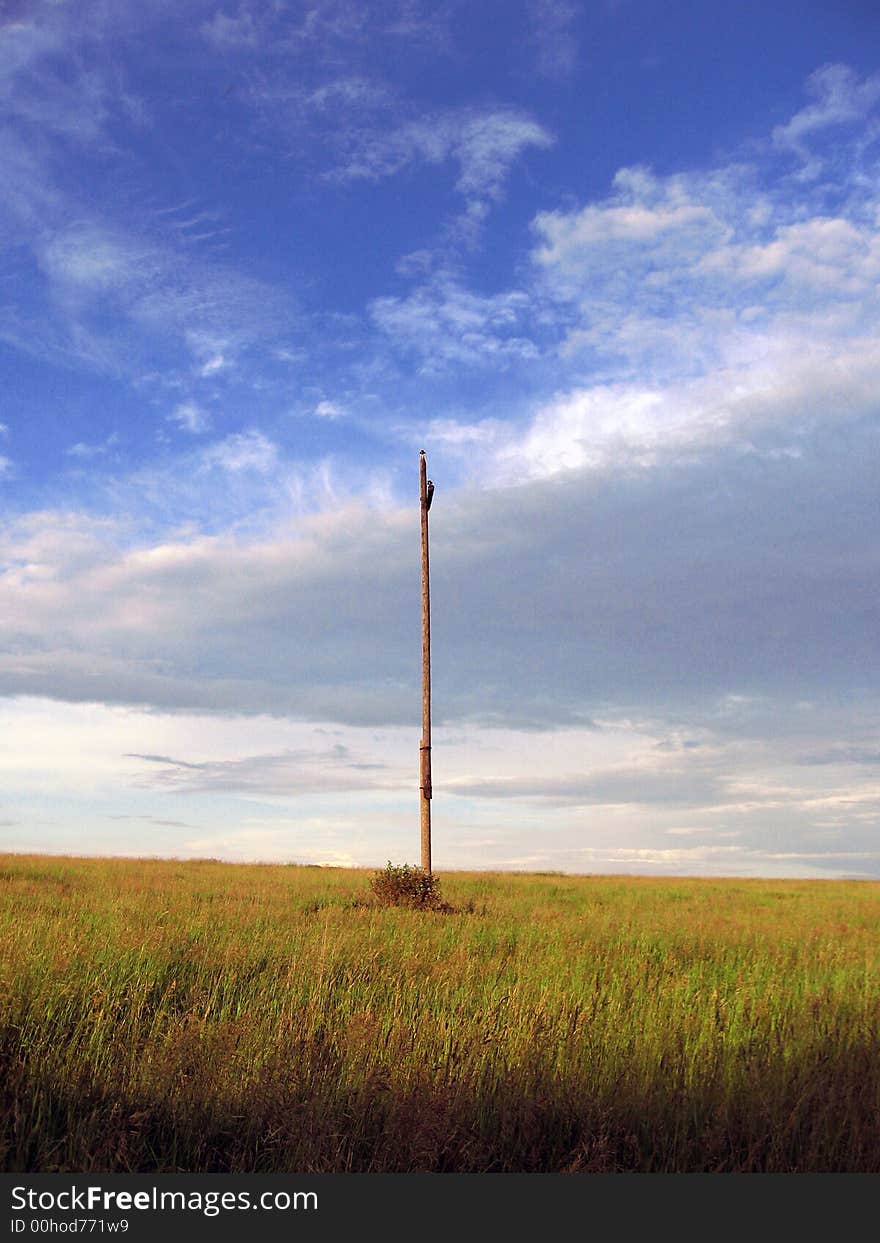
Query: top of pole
426, 487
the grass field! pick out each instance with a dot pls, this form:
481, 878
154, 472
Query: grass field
162, 1016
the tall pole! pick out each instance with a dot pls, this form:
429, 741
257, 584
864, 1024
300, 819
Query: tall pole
426, 492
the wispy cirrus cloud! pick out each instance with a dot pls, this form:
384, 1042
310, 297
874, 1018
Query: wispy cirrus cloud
88, 451
242, 451
355, 127
241, 30
327, 30
841, 98
191, 417
287, 773
444, 323
554, 36
76, 102
482, 144
115, 278
115, 293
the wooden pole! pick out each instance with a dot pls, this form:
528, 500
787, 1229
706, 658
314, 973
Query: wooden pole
426, 491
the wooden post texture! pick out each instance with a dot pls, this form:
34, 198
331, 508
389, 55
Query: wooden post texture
425, 495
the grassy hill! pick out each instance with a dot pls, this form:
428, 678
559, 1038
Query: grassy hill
169, 1016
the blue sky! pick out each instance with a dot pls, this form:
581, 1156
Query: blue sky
613, 265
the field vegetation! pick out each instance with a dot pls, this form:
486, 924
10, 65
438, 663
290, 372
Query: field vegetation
201, 1016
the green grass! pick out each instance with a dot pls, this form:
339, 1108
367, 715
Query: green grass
162, 1016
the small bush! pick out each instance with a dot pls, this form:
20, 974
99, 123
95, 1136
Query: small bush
408, 886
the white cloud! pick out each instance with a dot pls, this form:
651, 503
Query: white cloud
225, 32
483, 144
625, 425
74, 103
369, 132
824, 258
685, 272
445, 323
288, 774
556, 42
646, 212
85, 450
486, 146
737, 338
190, 417
353, 93
94, 259
610, 585
242, 451
711, 310
841, 98
213, 365
262, 488
329, 410
113, 294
